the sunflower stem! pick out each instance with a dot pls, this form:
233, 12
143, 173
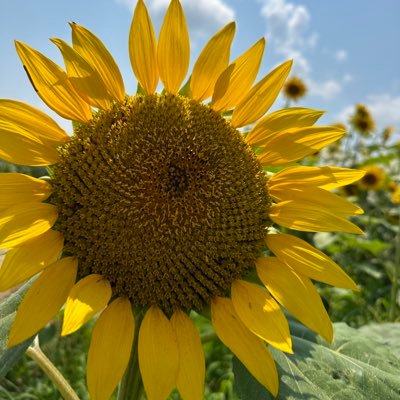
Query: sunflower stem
37, 355
396, 277
131, 386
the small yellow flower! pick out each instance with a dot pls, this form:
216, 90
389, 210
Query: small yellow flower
395, 197
294, 89
362, 120
158, 201
374, 178
387, 133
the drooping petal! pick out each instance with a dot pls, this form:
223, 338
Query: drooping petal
261, 314
292, 145
91, 48
86, 81
110, 349
27, 260
296, 293
24, 222
143, 49
281, 120
303, 216
191, 372
309, 261
324, 177
173, 50
315, 197
213, 59
19, 188
88, 297
34, 121
247, 347
52, 85
43, 299
261, 97
235, 82
19, 146
158, 354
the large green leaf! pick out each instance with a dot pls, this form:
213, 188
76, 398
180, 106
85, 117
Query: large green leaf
355, 366
8, 307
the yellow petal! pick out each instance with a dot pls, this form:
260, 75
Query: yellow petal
91, 48
295, 144
43, 299
52, 85
173, 48
86, 81
191, 372
281, 120
303, 216
261, 97
213, 59
24, 222
27, 260
143, 49
88, 297
309, 261
158, 354
235, 82
29, 118
19, 188
261, 314
247, 347
296, 293
110, 349
19, 146
315, 197
324, 177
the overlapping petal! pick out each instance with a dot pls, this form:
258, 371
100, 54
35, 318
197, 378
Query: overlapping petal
86, 81
52, 85
110, 348
158, 354
282, 120
213, 59
235, 82
261, 97
43, 299
307, 260
289, 287
28, 118
247, 347
19, 188
91, 48
88, 297
27, 260
23, 222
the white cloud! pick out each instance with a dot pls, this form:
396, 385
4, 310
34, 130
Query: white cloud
204, 17
341, 55
384, 109
327, 90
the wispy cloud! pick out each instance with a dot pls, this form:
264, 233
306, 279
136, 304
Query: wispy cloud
204, 17
341, 55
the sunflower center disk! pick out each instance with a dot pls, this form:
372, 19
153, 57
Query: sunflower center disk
162, 197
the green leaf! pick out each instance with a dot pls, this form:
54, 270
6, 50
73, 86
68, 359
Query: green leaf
355, 366
8, 308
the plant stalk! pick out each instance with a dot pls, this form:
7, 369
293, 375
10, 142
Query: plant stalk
37, 355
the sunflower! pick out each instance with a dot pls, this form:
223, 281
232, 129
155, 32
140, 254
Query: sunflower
374, 178
294, 88
160, 205
362, 120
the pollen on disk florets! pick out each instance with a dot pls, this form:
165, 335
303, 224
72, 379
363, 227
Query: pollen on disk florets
163, 197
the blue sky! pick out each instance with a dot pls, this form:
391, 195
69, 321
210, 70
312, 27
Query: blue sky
347, 51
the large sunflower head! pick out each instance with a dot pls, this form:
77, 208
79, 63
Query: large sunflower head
160, 204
